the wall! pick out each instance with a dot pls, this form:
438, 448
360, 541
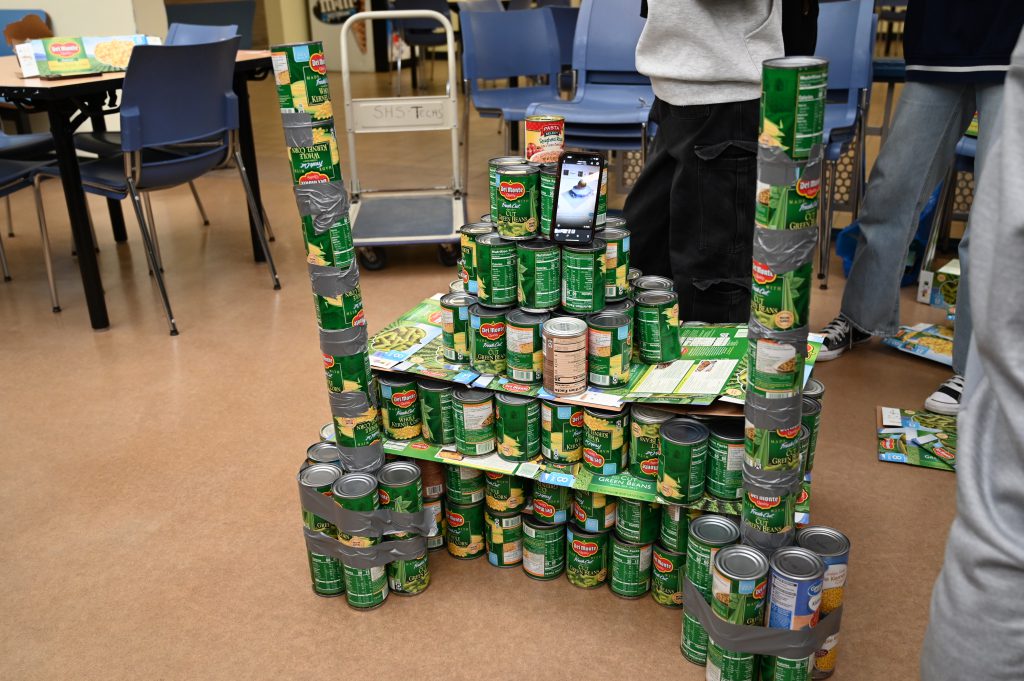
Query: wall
287, 21
83, 17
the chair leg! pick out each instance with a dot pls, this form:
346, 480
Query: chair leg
3, 261
266, 224
45, 237
257, 216
151, 256
643, 144
825, 233
859, 170
152, 230
199, 203
10, 220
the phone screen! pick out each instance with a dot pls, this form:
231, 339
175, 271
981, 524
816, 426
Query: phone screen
579, 186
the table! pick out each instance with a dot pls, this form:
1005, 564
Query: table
68, 103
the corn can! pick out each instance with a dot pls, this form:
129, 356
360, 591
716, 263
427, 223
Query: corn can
300, 73
793, 104
356, 492
604, 441
583, 277
551, 503
495, 270
707, 535
586, 561
630, 568
504, 492
543, 549
645, 440
548, 187
346, 361
682, 460
455, 328
593, 511
833, 547
726, 452
464, 485
638, 521
517, 427
561, 432
325, 572
468, 234
668, 570
503, 538
780, 300
464, 530
487, 345
518, 195
343, 311
400, 407
474, 421
492, 178
524, 346
794, 601
539, 276
437, 415
361, 430
616, 263
608, 349
400, 489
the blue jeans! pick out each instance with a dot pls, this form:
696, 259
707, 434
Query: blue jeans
930, 119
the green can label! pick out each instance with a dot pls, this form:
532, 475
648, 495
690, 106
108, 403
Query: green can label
674, 531
583, 278
793, 206
492, 179
772, 450
455, 328
300, 73
681, 471
319, 162
638, 521
812, 420
738, 601
793, 105
524, 357
616, 264
358, 431
657, 330
495, 271
464, 530
464, 485
348, 372
341, 312
771, 515
326, 574
780, 301
370, 502
604, 442
774, 369
593, 511
694, 641
474, 428
467, 240
543, 549
366, 587
609, 351
630, 568
669, 570
516, 215
644, 448
561, 432
539, 285
548, 182
487, 345
586, 563
725, 468
504, 492
331, 248
551, 503
699, 559
437, 415
409, 577
786, 669
730, 666
400, 409
504, 538
518, 430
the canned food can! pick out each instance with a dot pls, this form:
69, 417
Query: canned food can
789, 206
436, 412
645, 440
365, 588
608, 349
300, 73
517, 427
616, 263
487, 346
772, 450
630, 568
803, 442
766, 515
593, 511
346, 361
833, 547
325, 572
602, 200
614, 222
681, 461
468, 234
339, 312
583, 277
458, 286
400, 406
543, 549
739, 587
561, 432
774, 369
793, 104
810, 417
544, 138
464, 485
627, 307
586, 561
492, 179
794, 599
360, 430
504, 492
631, 278
319, 162
539, 280
667, 575
518, 195
551, 503
400, 489
495, 270
464, 530
356, 492
323, 452
486, 217
327, 432
409, 577
638, 521
435, 540
726, 451
474, 421
707, 535
524, 354
651, 282
657, 326
455, 328
565, 356
604, 441
674, 530
780, 300
815, 389
548, 184
504, 538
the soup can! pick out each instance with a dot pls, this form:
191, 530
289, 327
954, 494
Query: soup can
544, 138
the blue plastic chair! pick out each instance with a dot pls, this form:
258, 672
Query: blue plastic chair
846, 37
565, 25
480, 6
553, 3
612, 100
179, 120
519, 5
15, 176
239, 13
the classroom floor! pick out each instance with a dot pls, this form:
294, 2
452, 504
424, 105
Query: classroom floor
147, 484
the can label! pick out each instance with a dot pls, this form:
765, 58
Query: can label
583, 281
780, 301
550, 503
681, 471
437, 415
694, 641
812, 421
699, 559
616, 267
786, 669
657, 329
774, 369
725, 468
548, 183
340, 312
331, 248
565, 364
504, 539
474, 428
772, 450
469, 261
602, 199
793, 108
454, 333
833, 585
326, 574
464, 485
300, 73
561, 435
366, 587
401, 410
539, 281
496, 273
608, 355
504, 492
593, 511
674, 532
319, 162
771, 515
604, 443
518, 430
586, 564
543, 551
727, 665
357, 431
487, 346
667, 577
464, 530
738, 601
409, 577
544, 138
402, 499
516, 214
524, 357
348, 372
793, 206
644, 448
630, 569
638, 521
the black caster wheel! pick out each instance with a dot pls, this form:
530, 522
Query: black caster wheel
371, 258
448, 254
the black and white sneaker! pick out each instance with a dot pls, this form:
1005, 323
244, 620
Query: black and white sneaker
840, 336
946, 400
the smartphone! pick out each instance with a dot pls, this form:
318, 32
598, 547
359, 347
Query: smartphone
576, 195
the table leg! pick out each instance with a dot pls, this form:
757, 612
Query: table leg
247, 147
60, 114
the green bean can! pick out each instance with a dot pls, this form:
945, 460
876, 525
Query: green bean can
708, 534
504, 492
793, 105
638, 521
400, 407
468, 234
608, 349
775, 369
780, 300
492, 178
365, 588
409, 577
681, 461
583, 277
651, 282
539, 280
543, 549
437, 415
551, 503
487, 345
767, 515
548, 184
726, 451
464, 530
739, 587
586, 557
300, 73
464, 485
518, 196
772, 450
503, 538
561, 435
455, 329
594, 511
605, 441
645, 440
789, 206
325, 572
674, 531
495, 270
630, 568
668, 570
517, 428
616, 263
400, 489
524, 346
810, 416
657, 326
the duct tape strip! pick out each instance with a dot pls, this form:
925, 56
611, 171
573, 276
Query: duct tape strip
784, 250
771, 413
298, 129
766, 542
369, 556
343, 342
771, 483
348, 405
332, 282
365, 459
326, 202
776, 168
758, 640
366, 523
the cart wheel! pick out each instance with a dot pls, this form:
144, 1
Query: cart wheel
371, 258
448, 254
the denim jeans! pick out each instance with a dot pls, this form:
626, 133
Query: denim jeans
929, 121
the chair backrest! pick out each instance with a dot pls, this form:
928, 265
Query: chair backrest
439, 6
178, 93
20, 25
846, 39
604, 47
554, 3
480, 6
488, 53
518, 5
565, 26
241, 13
194, 34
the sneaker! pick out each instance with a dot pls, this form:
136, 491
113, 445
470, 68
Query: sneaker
946, 400
840, 336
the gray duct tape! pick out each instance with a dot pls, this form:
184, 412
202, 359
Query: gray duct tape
298, 129
349, 404
343, 342
367, 557
769, 413
776, 168
331, 282
770, 483
796, 337
318, 504
366, 459
385, 521
758, 640
327, 202
784, 250
766, 542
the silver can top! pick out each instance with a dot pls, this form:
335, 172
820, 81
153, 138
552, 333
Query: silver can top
324, 451
508, 398
814, 389
656, 297
824, 541
354, 486
433, 386
595, 246
471, 396
507, 161
398, 473
319, 475
614, 233
476, 228
523, 318
797, 564
643, 414
327, 433
714, 530
608, 319
458, 299
564, 327
741, 562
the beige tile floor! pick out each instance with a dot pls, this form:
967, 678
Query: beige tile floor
147, 497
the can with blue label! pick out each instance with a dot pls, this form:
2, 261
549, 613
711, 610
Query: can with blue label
794, 600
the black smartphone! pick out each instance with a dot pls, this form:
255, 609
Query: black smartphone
579, 188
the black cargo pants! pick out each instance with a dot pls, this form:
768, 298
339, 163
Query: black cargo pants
691, 211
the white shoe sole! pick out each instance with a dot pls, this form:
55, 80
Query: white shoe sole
943, 408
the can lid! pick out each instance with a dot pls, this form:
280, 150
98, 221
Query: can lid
481, 310
741, 562
603, 413
564, 327
517, 400
519, 169
456, 286
683, 431
716, 530
614, 233
319, 475
537, 245
608, 319
822, 540
810, 406
798, 564
651, 282
394, 381
614, 222
494, 239
795, 62
726, 428
656, 297
549, 168
486, 217
524, 318
354, 485
594, 246
468, 395
398, 473
644, 414
323, 452
458, 299
623, 305
432, 386
507, 161
577, 532
477, 228
327, 433
814, 388
633, 273
805, 433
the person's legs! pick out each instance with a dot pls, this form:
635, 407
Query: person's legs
646, 207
